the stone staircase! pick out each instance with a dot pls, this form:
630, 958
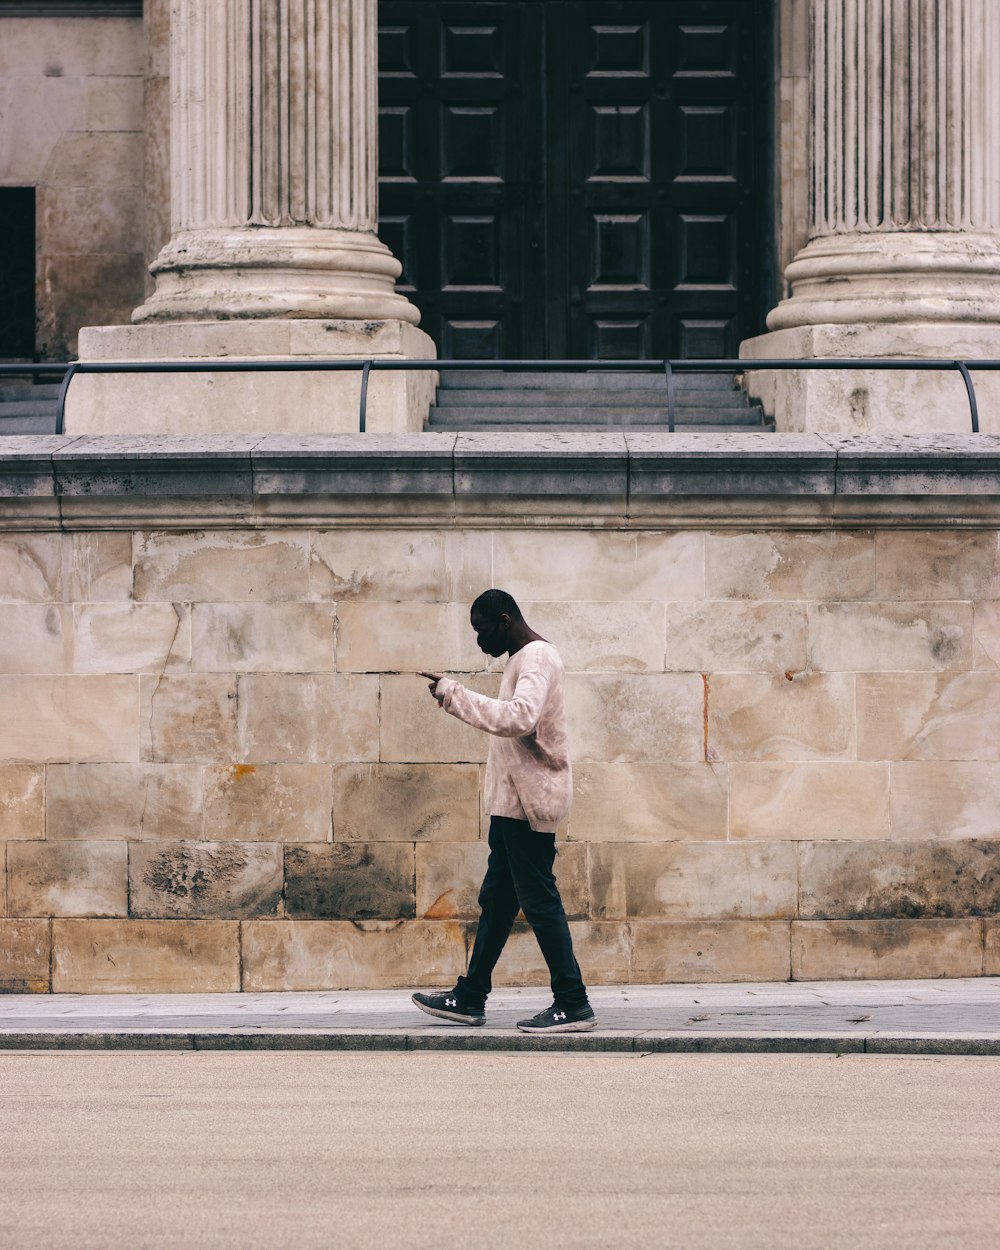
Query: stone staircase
595, 400
28, 409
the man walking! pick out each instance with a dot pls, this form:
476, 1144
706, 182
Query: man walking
529, 786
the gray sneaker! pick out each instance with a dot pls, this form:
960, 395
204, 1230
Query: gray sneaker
556, 1019
450, 1006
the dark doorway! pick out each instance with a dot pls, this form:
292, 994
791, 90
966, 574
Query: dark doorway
569, 178
17, 273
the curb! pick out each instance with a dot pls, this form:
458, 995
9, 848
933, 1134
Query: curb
594, 1043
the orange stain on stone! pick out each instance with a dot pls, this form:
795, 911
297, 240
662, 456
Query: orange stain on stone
243, 770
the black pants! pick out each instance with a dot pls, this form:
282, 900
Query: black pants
519, 875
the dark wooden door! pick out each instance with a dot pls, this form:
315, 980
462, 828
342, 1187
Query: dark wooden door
574, 178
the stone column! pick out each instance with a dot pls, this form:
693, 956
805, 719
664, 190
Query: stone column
273, 250
903, 257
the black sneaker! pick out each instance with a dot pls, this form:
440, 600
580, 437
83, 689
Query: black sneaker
450, 1006
556, 1019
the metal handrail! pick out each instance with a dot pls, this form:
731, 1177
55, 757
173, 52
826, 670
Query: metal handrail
68, 370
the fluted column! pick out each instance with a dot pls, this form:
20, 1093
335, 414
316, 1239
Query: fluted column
273, 166
905, 166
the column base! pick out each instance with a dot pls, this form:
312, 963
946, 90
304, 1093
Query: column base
242, 403
875, 401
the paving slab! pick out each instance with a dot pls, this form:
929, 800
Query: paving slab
885, 1017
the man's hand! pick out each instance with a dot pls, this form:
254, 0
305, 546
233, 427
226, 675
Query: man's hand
433, 679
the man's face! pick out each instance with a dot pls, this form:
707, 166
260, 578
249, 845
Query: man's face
491, 634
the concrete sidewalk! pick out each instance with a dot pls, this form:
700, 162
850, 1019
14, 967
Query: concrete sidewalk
947, 1017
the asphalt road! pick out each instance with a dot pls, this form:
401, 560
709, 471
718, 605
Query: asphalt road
239, 1151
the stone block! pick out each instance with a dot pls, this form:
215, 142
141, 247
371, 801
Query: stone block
309, 718
406, 637
123, 801
190, 718
97, 567
415, 730
113, 219
22, 802
30, 568
268, 802
649, 802
640, 717
222, 566
991, 953
602, 637
883, 637
790, 716
262, 637
69, 718
568, 566
406, 803
131, 637
821, 566
898, 880
721, 950
145, 956
89, 288
929, 716
742, 637
425, 566
844, 950
809, 801
301, 955
35, 638
944, 799
67, 878
601, 948
350, 881
79, 156
113, 103
692, 881
943, 564
27, 481
25, 947
204, 880
986, 623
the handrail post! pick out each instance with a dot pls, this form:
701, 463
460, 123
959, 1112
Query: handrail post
963, 369
68, 377
366, 369
668, 369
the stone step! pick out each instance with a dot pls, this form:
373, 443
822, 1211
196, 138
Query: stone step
21, 423
495, 418
22, 392
592, 379
509, 397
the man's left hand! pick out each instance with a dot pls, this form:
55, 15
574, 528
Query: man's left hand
433, 679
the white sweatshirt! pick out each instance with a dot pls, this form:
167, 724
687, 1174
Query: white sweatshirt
528, 774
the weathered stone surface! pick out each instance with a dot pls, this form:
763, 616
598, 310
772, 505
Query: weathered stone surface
649, 802
947, 799
35, 638
824, 566
222, 566
69, 718
904, 880
991, 952
414, 730
145, 956
986, 622
123, 801
602, 637
350, 881
262, 638
692, 881
131, 638
929, 716
886, 949
952, 564
726, 635
405, 637
67, 879
424, 566
204, 880
22, 802
406, 803
191, 718
24, 956
336, 954
874, 637
789, 716
309, 718
30, 568
809, 801
636, 717
575, 566
97, 567
724, 950
601, 949
268, 802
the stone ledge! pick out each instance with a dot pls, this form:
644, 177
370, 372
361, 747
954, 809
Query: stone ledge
617, 479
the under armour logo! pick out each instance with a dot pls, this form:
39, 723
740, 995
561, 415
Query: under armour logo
451, 1002
560, 1015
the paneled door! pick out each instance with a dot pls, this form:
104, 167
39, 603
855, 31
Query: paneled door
576, 179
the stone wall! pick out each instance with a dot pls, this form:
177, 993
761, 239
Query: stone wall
71, 105
219, 769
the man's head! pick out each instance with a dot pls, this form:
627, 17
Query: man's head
497, 620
